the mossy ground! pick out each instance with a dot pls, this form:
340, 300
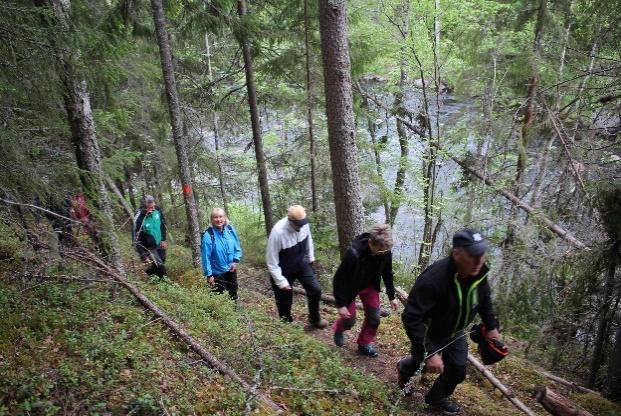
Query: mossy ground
69, 348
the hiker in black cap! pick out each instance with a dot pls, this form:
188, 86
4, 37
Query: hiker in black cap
444, 300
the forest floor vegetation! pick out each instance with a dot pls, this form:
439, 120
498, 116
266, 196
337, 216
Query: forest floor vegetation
68, 347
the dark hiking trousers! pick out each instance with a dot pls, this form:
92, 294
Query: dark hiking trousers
157, 258
226, 281
454, 356
284, 298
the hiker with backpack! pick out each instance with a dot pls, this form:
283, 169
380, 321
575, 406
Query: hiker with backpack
366, 263
150, 237
443, 302
220, 254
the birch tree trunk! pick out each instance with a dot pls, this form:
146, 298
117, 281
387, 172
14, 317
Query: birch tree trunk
176, 124
256, 124
340, 114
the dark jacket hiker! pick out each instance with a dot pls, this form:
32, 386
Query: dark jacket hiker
366, 263
443, 302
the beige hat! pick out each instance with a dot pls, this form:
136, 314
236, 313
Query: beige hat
296, 212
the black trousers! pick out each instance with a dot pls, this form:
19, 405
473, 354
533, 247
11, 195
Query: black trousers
284, 298
157, 258
455, 358
226, 281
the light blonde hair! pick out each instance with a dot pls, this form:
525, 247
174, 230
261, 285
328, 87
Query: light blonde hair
296, 212
381, 235
218, 211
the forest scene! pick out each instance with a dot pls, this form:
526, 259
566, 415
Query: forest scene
236, 207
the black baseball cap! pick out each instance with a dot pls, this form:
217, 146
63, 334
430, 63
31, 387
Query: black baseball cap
472, 240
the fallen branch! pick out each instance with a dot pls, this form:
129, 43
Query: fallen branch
31, 206
555, 228
567, 382
557, 404
402, 296
498, 384
91, 260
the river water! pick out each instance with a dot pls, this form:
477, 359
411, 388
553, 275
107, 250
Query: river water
409, 223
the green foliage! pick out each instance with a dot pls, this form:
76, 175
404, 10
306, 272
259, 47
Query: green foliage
12, 249
93, 356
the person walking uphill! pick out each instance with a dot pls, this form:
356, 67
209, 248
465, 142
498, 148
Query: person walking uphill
289, 257
150, 237
220, 254
367, 261
442, 303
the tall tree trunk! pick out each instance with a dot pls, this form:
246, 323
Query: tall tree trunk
216, 133
340, 114
84, 137
309, 110
256, 123
605, 317
177, 129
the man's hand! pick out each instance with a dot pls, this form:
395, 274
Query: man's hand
233, 268
394, 304
344, 312
493, 334
211, 280
286, 288
164, 245
435, 364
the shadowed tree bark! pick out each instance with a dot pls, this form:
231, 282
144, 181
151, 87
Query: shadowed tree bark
177, 129
340, 114
256, 123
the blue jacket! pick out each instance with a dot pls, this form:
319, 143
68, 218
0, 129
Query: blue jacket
219, 250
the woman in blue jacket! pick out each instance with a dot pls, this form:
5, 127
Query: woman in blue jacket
220, 254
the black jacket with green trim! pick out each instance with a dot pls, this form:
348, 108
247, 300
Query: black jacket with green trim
434, 306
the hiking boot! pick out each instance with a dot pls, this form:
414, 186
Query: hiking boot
402, 378
446, 406
320, 324
368, 350
339, 339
